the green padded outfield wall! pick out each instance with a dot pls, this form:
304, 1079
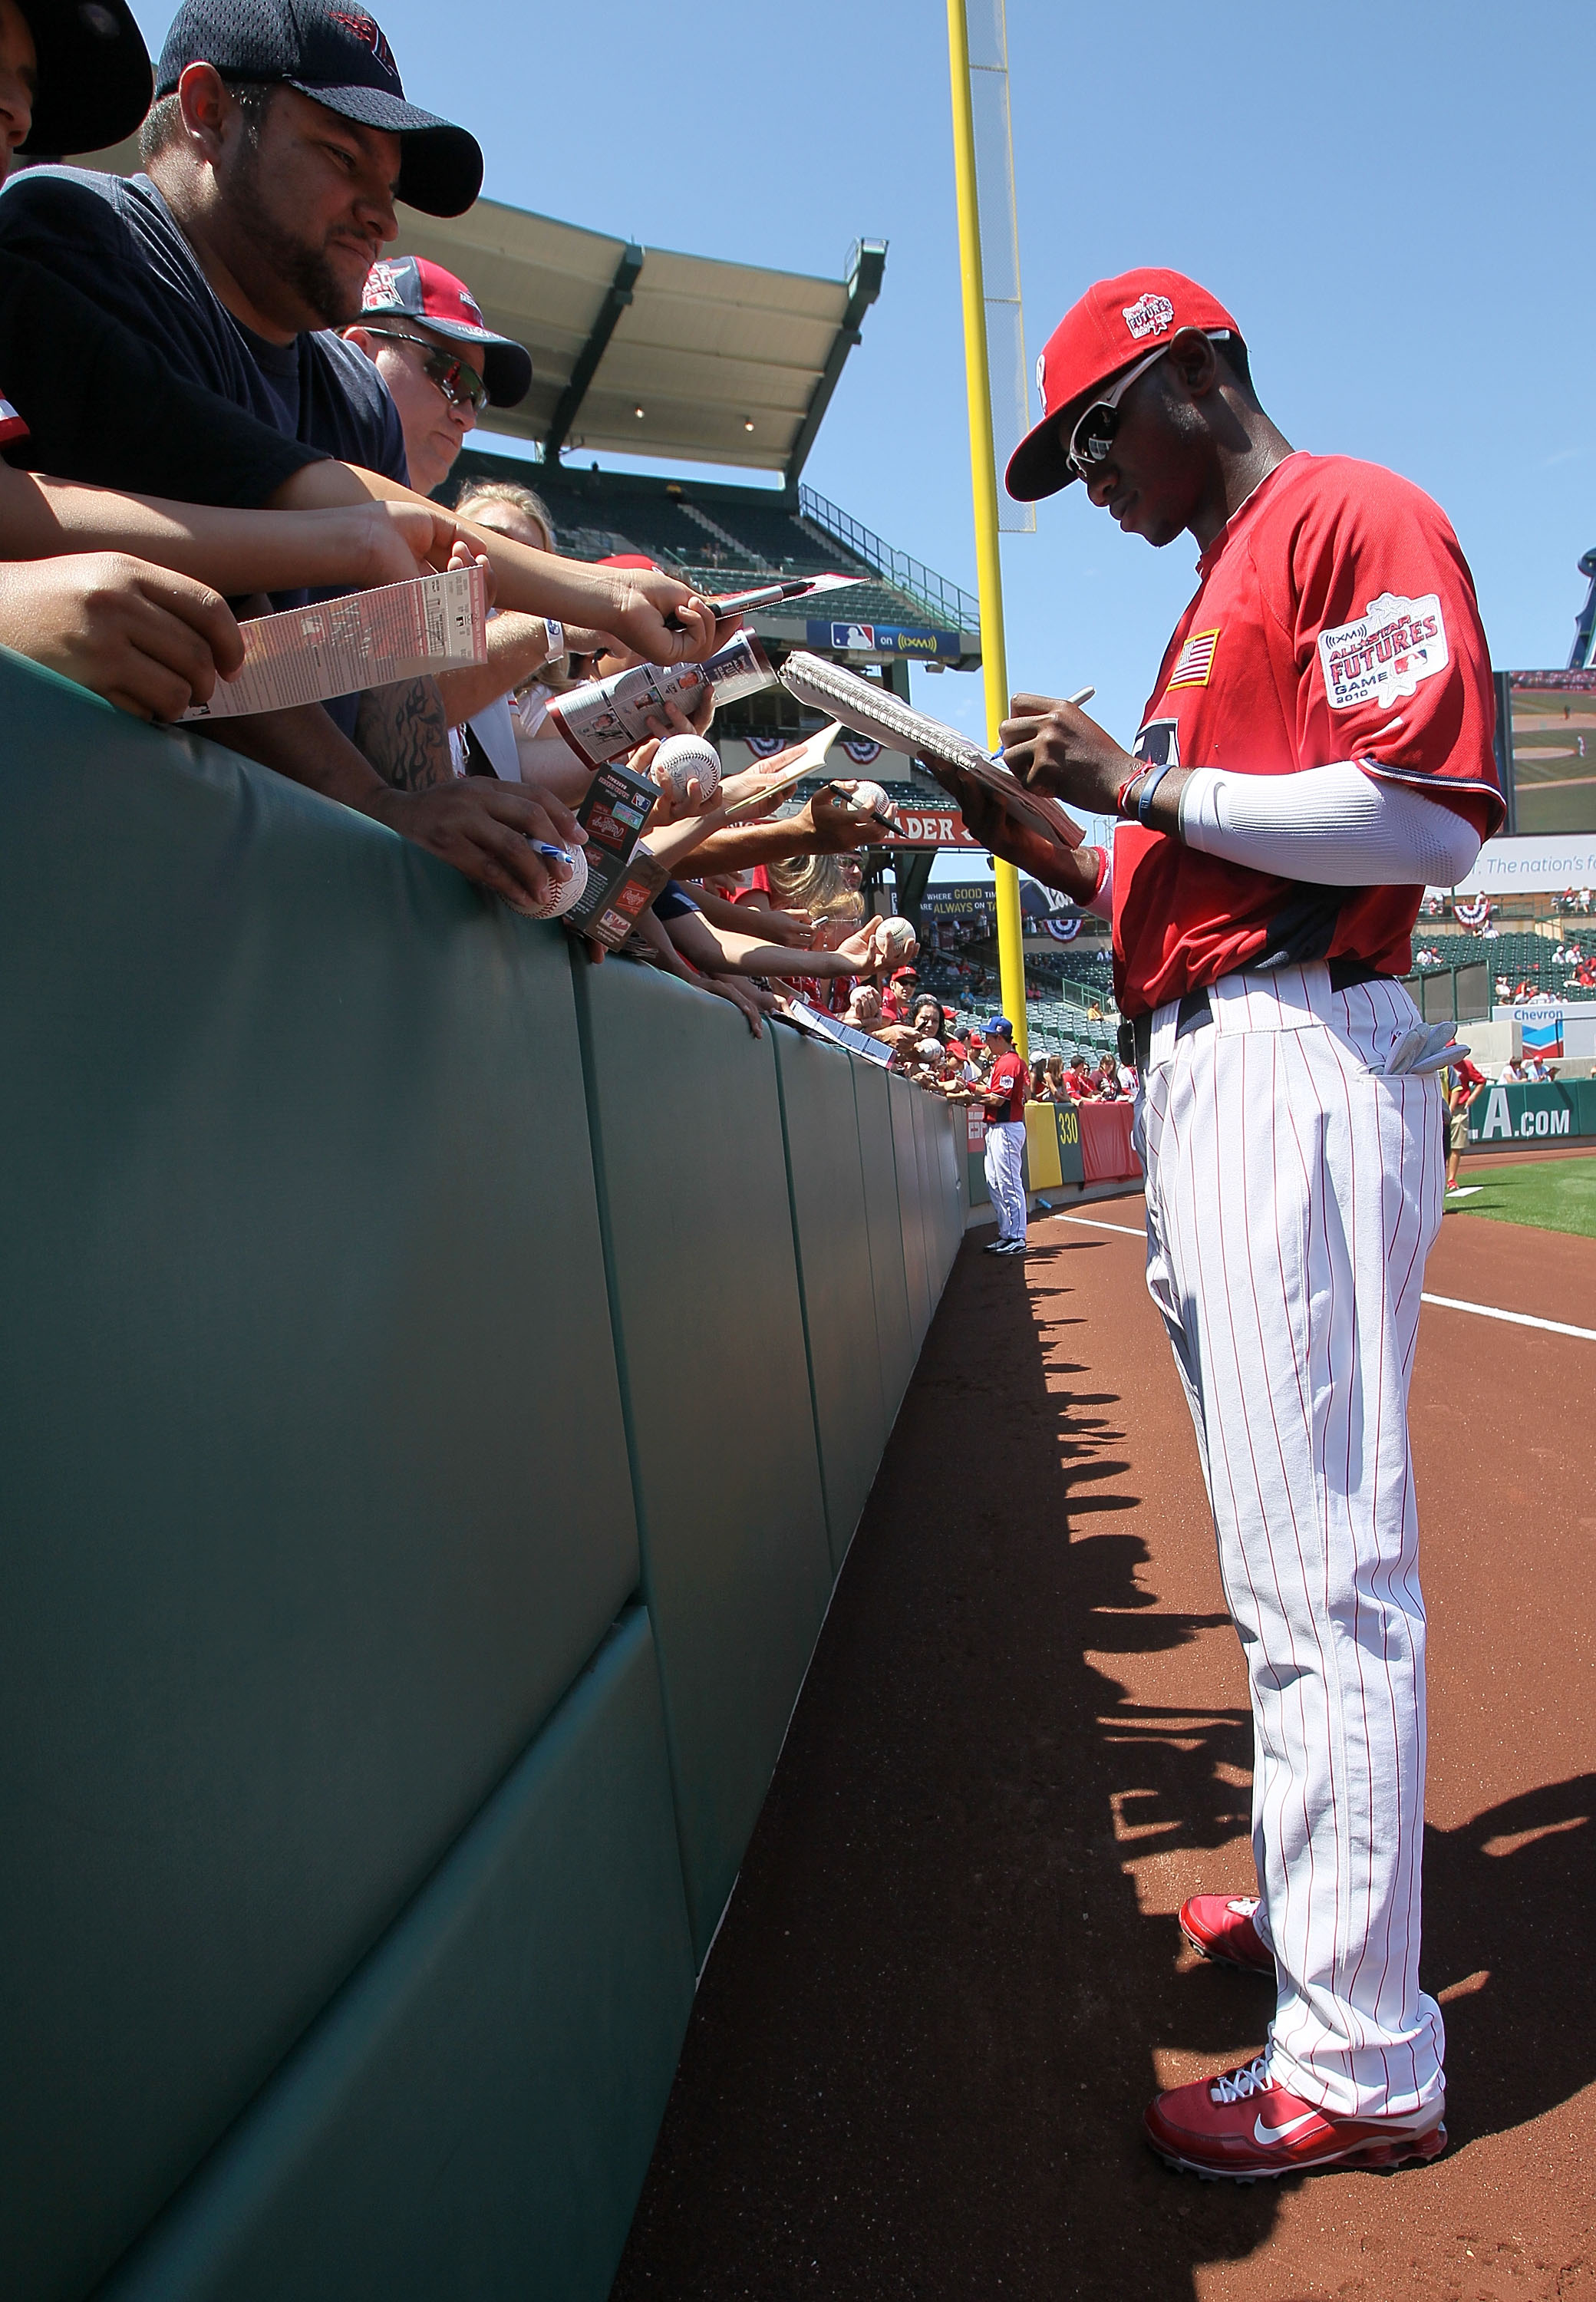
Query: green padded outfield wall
349, 1799
474, 2112
900, 1099
832, 1230
316, 1489
894, 1337
709, 1335
941, 1122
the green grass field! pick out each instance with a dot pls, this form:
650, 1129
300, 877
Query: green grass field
1551, 1194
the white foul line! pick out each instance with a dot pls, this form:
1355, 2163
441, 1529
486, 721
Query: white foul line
1514, 1318
1093, 1225
1441, 1302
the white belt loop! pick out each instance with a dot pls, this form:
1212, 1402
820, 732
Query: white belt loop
1288, 999
1161, 1045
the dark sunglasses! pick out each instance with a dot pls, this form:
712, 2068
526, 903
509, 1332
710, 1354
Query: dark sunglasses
461, 385
1093, 435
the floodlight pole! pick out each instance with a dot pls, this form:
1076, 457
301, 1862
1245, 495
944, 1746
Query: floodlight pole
983, 474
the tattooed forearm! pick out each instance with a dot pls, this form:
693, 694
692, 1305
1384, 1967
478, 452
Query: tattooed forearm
402, 732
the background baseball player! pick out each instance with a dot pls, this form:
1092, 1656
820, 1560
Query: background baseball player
1460, 1083
1316, 749
1002, 1099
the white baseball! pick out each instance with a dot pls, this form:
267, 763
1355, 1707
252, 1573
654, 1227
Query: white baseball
870, 798
680, 757
899, 938
564, 892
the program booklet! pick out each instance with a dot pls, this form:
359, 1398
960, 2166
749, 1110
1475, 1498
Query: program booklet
819, 1025
361, 640
871, 709
610, 716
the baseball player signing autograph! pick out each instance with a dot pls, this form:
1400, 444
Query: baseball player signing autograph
1316, 749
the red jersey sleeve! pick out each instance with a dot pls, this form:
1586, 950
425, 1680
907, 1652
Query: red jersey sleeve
1393, 669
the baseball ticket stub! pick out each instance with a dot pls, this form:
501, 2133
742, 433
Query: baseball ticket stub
610, 716
366, 639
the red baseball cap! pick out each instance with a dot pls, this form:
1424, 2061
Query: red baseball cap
1116, 322
419, 290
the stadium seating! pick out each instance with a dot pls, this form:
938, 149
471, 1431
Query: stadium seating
714, 535
1520, 958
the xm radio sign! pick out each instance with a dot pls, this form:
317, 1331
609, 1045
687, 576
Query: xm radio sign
883, 639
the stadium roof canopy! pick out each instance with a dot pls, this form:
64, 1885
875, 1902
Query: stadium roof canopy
641, 351
652, 353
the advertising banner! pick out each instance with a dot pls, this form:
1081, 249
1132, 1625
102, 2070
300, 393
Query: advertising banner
883, 639
1557, 1111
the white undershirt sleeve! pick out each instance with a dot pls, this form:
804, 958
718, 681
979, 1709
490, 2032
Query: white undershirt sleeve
1334, 827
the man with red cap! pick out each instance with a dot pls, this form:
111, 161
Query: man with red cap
442, 363
1317, 748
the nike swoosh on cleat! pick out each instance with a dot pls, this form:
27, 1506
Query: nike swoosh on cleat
1268, 2134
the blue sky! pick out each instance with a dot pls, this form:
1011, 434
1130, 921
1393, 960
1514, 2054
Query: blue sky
1393, 201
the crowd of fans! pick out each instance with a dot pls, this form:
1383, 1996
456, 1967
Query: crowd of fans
224, 391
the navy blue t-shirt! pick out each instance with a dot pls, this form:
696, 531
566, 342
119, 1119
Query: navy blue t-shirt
117, 242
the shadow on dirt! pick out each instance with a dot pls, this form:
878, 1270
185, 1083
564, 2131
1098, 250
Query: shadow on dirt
920, 2053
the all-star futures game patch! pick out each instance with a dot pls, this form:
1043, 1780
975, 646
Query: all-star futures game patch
1385, 654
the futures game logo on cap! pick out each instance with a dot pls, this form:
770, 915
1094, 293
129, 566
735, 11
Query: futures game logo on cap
1150, 315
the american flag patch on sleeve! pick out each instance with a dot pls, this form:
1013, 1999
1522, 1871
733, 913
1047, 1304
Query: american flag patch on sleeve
12, 426
1195, 661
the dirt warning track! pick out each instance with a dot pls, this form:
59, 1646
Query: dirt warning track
950, 1975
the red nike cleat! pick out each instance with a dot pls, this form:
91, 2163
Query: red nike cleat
1244, 2127
1221, 1926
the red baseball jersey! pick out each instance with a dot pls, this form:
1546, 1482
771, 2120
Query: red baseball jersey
1335, 619
1009, 1077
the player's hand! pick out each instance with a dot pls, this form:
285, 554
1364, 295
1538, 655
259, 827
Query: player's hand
483, 828
147, 640
1052, 746
1052, 860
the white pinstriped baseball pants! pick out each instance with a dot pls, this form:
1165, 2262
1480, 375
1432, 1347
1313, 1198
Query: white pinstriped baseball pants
1005, 1174
1293, 1193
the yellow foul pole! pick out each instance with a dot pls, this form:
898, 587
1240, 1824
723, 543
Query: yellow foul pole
983, 473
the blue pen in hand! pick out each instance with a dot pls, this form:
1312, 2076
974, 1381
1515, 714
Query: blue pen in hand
553, 855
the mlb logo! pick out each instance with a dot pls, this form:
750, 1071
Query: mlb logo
858, 637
